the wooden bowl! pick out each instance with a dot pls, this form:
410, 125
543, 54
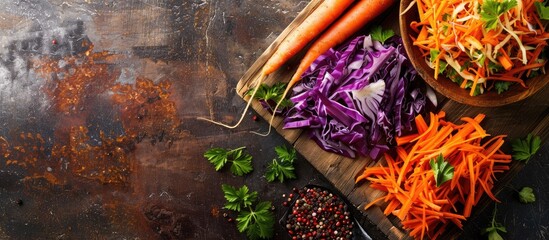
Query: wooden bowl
450, 89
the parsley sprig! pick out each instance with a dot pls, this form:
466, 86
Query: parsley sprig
502, 86
524, 149
380, 34
271, 95
257, 221
443, 171
238, 198
492, 231
543, 9
283, 166
241, 163
526, 195
492, 9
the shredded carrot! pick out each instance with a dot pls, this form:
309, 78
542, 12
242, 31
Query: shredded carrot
424, 209
453, 36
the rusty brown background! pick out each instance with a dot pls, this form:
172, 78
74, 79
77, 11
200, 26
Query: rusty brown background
98, 107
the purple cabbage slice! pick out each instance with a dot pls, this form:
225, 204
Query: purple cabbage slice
356, 99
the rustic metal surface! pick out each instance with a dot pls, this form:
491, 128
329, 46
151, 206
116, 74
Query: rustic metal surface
98, 107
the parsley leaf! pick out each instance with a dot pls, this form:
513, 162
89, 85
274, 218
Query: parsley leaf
238, 198
492, 231
466, 65
257, 222
443, 171
492, 9
526, 195
502, 86
542, 9
281, 170
285, 154
524, 149
241, 162
433, 53
283, 166
453, 75
478, 89
271, 94
217, 156
494, 67
442, 67
381, 35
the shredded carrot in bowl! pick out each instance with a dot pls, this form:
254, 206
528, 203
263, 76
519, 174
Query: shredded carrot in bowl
481, 44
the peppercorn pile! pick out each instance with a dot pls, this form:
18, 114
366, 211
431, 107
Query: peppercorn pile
318, 214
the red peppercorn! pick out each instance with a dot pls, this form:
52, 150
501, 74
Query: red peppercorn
54, 42
317, 214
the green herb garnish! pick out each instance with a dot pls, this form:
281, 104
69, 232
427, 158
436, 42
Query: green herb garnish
257, 222
494, 67
380, 34
492, 231
524, 149
542, 9
492, 9
241, 163
502, 86
238, 198
478, 88
271, 93
466, 65
283, 166
453, 75
442, 170
526, 195
433, 54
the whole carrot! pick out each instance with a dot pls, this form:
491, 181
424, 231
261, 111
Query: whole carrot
351, 22
311, 27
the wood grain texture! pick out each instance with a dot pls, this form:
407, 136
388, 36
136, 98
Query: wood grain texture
514, 120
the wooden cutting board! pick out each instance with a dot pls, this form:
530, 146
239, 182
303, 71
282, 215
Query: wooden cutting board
516, 120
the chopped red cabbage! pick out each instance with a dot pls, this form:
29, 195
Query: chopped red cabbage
358, 98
